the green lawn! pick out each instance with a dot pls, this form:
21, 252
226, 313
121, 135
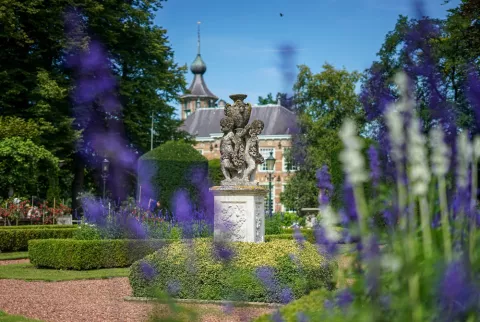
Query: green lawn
14, 318
13, 255
28, 272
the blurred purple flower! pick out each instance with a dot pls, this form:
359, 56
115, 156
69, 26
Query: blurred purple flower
328, 304
457, 293
297, 234
389, 217
277, 317
374, 165
324, 184
436, 221
325, 245
173, 287
350, 205
228, 307
223, 251
344, 298
147, 270
136, 228
286, 296
302, 317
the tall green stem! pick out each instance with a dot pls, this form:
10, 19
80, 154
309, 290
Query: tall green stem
447, 238
426, 230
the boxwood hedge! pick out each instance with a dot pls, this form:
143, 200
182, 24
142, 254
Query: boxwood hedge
306, 308
89, 254
17, 239
192, 271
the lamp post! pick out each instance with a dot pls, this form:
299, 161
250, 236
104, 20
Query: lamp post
270, 168
105, 166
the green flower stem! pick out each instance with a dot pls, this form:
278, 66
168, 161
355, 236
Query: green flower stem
414, 291
426, 230
447, 238
362, 209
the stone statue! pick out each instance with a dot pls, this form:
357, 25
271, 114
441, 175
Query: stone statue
239, 144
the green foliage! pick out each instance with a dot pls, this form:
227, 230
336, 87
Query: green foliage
275, 224
4, 317
170, 167
308, 305
13, 255
200, 275
89, 254
215, 172
323, 101
17, 239
22, 164
87, 232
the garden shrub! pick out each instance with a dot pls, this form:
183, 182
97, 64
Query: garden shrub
171, 166
17, 239
191, 270
89, 254
215, 172
307, 306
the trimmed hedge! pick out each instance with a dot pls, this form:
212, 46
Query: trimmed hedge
308, 306
39, 227
192, 271
172, 166
17, 239
89, 254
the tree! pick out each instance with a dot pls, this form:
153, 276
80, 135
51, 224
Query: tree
281, 98
267, 100
35, 51
322, 100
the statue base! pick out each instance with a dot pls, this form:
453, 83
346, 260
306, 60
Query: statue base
239, 213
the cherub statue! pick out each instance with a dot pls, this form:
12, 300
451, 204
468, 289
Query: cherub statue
240, 113
252, 155
230, 149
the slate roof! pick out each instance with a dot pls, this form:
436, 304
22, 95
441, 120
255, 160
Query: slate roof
277, 119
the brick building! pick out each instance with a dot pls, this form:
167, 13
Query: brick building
201, 112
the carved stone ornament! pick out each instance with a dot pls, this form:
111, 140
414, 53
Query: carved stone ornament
239, 153
233, 218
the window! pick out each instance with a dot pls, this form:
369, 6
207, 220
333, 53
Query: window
288, 162
265, 152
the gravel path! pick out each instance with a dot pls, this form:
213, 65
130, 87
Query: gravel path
94, 300
14, 261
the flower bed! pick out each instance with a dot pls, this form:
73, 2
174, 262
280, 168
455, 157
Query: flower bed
17, 239
277, 271
38, 227
89, 254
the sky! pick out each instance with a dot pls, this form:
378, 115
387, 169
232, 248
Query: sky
241, 40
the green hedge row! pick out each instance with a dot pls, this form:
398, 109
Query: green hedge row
89, 254
309, 306
193, 271
38, 227
17, 239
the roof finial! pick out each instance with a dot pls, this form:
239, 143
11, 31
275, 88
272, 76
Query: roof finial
198, 45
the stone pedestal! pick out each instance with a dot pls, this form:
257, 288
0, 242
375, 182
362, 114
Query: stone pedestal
64, 220
239, 213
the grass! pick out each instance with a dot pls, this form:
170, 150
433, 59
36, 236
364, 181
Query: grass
28, 272
13, 255
14, 318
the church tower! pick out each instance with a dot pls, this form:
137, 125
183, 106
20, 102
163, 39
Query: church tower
198, 95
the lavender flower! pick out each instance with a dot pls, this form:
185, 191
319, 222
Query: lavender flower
148, 271
324, 184
344, 298
173, 287
286, 296
223, 251
374, 165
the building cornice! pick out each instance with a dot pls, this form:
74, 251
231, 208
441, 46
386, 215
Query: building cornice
216, 136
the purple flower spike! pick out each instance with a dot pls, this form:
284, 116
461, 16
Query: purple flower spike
344, 298
324, 184
374, 165
173, 287
457, 293
147, 270
286, 296
223, 252
301, 317
299, 236
277, 317
328, 304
